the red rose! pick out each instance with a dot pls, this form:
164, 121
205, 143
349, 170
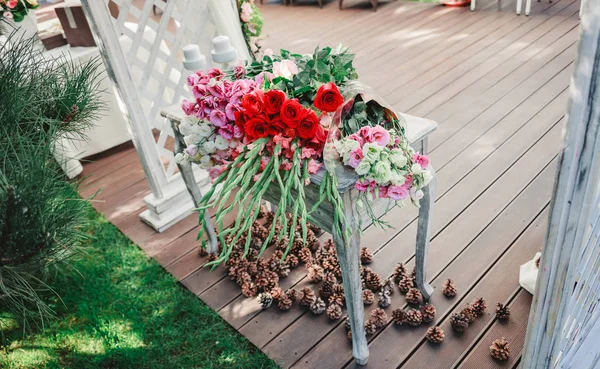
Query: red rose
276, 127
274, 99
308, 125
256, 128
240, 119
328, 98
253, 103
321, 134
291, 111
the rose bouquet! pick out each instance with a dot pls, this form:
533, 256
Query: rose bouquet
17, 9
252, 22
276, 122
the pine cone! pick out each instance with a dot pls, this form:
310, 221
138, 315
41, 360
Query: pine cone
372, 280
284, 303
384, 300
318, 307
370, 327
413, 296
428, 312
263, 211
435, 335
337, 297
469, 313
315, 273
379, 317
459, 322
500, 350
449, 288
368, 297
366, 256
262, 264
399, 272
414, 317
277, 293
388, 285
252, 269
292, 261
479, 306
399, 316
249, 289
313, 243
502, 312
406, 283
334, 312
265, 299
202, 252
292, 294
326, 289
212, 257
347, 323
305, 255
243, 278
307, 297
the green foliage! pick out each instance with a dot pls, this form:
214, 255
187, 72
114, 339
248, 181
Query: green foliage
126, 311
20, 11
41, 214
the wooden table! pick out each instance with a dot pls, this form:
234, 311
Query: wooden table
417, 131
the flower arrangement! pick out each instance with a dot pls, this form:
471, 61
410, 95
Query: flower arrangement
279, 120
17, 9
252, 22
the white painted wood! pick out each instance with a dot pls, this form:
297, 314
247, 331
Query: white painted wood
424, 236
148, 72
565, 310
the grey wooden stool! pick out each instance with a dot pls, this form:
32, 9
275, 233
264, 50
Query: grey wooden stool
417, 130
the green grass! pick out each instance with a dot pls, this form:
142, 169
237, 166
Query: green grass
120, 309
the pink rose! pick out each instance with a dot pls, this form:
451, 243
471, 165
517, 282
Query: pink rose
218, 118
357, 138
365, 133
193, 79
422, 160
199, 91
356, 157
188, 107
239, 71
313, 166
218, 90
397, 192
380, 135
260, 78
12, 4
230, 111
226, 131
307, 153
215, 73
246, 13
8, 15
383, 192
237, 132
285, 165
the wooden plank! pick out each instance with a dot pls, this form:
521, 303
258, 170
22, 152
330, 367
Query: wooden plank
460, 232
514, 331
498, 285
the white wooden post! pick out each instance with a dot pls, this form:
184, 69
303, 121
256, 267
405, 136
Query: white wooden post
143, 59
565, 308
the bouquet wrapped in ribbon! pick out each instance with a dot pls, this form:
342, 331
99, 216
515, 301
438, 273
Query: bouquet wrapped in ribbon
280, 120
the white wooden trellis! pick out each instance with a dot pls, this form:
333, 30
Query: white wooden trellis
149, 76
564, 322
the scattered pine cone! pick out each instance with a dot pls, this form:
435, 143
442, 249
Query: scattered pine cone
284, 303
502, 312
326, 289
337, 297
265, 299
263, 211
459, 322
292, 261
449, 288
379, 317
334, 312
435, 335
399, 316
370, 327
315, 273
292, 294
212, 257
428, 312
384, 300
372, 280
318, 307
305, 255
249, 289
202, 252
500, 350
414, 317
399, 272
413, 296
469, 313
366, 256
307, 297
277, 293
479, 306
368, 297
388, 285
406, 283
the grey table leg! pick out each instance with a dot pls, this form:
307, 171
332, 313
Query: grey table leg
349, 257
423, 237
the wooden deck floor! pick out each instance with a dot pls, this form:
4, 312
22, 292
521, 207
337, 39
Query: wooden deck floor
497, 85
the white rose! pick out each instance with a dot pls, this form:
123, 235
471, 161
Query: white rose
202, 129
427, 177
397, 158
381, 172
205, 162
285, 68
371, 152
221, 143
416, 169
209, 147
179, 158
397, 179
363, 168
192, 139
